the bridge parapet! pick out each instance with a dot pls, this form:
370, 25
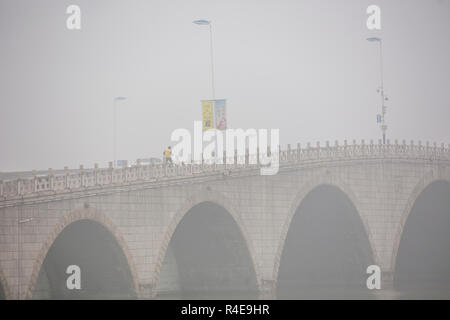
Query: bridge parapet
86, 179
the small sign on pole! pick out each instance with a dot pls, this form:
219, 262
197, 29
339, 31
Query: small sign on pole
220, 122
207, 114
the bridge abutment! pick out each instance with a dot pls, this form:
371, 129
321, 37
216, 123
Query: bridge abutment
147, 291
387, 280
267, 290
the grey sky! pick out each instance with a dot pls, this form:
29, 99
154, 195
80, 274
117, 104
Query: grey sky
301, 66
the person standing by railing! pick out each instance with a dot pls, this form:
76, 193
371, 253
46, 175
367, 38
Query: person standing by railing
168, 156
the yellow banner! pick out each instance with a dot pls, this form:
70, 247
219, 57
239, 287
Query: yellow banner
207, 114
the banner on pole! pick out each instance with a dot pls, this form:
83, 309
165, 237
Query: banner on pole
220, 114
207, 114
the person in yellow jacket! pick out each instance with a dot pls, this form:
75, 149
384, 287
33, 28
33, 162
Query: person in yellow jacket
168, 155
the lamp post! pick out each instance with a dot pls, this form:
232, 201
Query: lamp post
116, 99
381, 90
209, 23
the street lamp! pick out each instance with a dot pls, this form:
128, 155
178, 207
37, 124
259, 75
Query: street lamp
116, 99
203, 22
381, 90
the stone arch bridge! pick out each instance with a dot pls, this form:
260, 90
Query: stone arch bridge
141, 231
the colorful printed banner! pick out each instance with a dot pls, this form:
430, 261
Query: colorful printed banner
207, 114
220, 114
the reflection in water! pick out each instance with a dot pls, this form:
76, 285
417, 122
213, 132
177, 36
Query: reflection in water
326, 293
319, 294
209, 296
425, 294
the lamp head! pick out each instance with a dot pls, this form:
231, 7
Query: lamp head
202, 22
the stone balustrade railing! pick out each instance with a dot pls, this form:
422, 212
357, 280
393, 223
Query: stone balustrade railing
75, 180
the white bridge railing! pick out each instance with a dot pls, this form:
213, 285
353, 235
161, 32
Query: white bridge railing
82, 179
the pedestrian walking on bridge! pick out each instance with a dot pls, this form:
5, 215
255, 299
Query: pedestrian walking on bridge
168, 156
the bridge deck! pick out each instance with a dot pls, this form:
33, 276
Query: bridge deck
84, 182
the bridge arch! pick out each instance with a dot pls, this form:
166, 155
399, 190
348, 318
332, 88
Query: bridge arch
345, 193
420, 263
85, 214
298, 199
427, 179
215, 198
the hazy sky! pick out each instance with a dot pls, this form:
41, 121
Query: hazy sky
301, 66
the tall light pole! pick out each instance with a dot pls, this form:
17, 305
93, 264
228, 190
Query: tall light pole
116, 99
381, 90
209, 23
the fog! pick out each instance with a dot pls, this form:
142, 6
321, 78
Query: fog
301, 66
